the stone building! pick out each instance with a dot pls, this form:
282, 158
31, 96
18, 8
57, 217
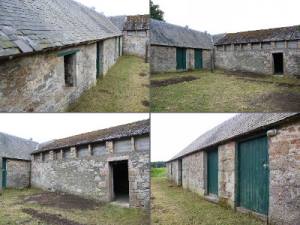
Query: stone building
175, 48
15, 161
271, 51
50, 52
250, 162
106, 165
135, 34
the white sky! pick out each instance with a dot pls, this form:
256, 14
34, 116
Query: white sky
224, 16
118, 7
170, 133
45, 127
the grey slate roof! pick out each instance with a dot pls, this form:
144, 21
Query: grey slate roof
118, 21
266, 35
35, 25
15, 147
131, 23
127, 130
237, 126
167, 34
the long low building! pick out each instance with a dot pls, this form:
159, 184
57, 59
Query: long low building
106, 165
250, 162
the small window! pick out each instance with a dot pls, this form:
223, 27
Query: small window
36, 157
83, 151
67, 154
45, 156
56, 154
70, 69
142, 143
122, 145
98, 149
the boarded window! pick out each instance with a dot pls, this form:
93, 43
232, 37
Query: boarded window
280, 44
67, 154
98, 149
142, 143
36, 157
245, 47
256, 46
237, 47
56, 155
46, 156
83, 151
293, 44
122, 145
266, 45
70, 69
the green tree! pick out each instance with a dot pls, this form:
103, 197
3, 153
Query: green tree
156, 12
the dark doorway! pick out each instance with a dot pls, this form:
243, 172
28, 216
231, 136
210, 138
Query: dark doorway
278, 63
212, 172
4, 172
99, 58
120, 180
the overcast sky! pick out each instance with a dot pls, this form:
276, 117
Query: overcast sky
219, 16
170, 133
45, 127
118, 7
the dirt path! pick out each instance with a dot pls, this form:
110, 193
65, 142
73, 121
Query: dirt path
173, 205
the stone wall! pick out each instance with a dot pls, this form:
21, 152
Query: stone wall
36, 83
207, 59
256, 60
175, 171
162, 59
18, 174
90, 175
135, 43
284, 164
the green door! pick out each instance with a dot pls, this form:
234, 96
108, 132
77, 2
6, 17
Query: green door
198, 59
212, 172
181, 58
254, 175
98, 60
4, 172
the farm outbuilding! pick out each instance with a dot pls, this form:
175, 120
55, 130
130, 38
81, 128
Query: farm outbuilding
136, 34
269, 51
106, 165
176, 48
15, 161
250, 162
50, 52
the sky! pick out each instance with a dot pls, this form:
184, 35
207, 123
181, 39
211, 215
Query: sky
171, 133
118, 7
45, 127
219, 16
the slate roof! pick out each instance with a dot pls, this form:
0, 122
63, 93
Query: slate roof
15, 147
167, 34
127, 130
266, 35
34, 25
235, 127
131, 23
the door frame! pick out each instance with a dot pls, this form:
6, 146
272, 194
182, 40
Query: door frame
273, 63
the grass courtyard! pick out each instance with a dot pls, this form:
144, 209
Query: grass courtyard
203, 91
125, 88
35, 207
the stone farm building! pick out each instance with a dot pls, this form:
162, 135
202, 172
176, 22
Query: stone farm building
106, 165
135, 34
175, 48
15, 161
250, 162
50, 52
271, 51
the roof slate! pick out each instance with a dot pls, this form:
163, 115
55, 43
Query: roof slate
131, 23
15, 147
35, 25
167, 34
127, 130
266, 35
239, 125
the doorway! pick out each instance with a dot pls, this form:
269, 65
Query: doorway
4, 172
278, 63
212, 172
120, 181
99, 60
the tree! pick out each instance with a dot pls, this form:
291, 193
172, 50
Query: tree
156, 12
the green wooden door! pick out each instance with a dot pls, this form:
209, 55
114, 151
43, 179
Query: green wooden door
198, 59
254, 175
4, 172
98, 60
212, 172
181, 58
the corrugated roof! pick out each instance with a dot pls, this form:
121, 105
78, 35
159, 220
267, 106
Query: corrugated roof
166, 34
35, 25
15, 147
266, 35
127, 130
239, 125
131, 23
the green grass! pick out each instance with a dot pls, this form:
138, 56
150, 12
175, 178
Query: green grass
11, 205
219, 92
123, 89
158, 172
173, 205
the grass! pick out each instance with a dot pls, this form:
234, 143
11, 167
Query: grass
11, 204
220, 92
159, 172
125, 88
173, 205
